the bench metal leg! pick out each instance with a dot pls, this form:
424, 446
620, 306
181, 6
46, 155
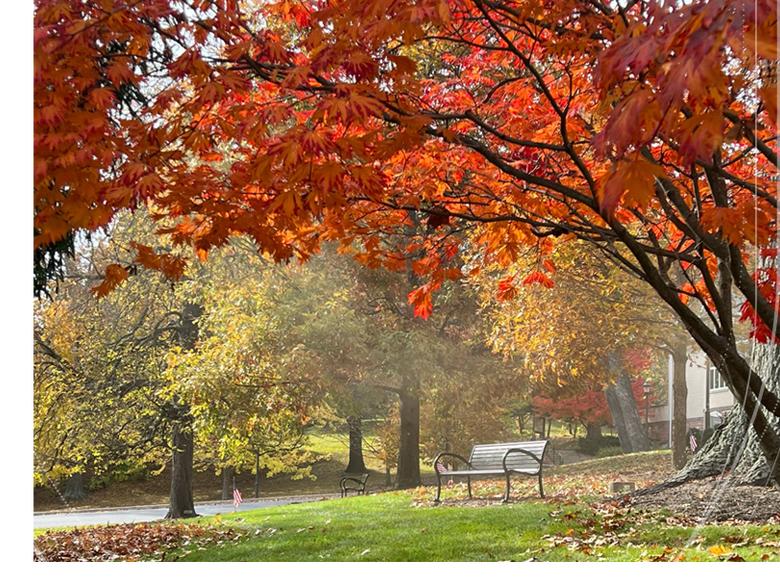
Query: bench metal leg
438, 492
506, 495
541, 489
468, 477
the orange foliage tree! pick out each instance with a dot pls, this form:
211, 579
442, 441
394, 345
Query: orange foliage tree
644, 128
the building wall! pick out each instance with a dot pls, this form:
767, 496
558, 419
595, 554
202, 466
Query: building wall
696, 378
721, 400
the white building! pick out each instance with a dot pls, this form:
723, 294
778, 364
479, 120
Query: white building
709, 399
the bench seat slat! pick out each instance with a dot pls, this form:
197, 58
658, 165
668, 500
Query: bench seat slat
529, 470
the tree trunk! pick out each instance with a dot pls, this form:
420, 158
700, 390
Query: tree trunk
680, 401
356, 463
631, 419
592, 431
754, 467
74, 488
520, 424
617, 418
182, 503
734, 446
620, 399
257, 473
227, 482
408, 475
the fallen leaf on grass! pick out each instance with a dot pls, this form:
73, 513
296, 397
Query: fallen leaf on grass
718, 550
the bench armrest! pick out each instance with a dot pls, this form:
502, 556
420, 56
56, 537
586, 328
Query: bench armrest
359, 482
446, 454
518, 450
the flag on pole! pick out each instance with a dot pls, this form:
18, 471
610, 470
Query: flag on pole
441, 469
692, 439
237, 499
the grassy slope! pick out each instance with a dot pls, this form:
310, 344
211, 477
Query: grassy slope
395, 527
406, 526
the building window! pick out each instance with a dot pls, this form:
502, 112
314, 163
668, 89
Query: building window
715, 381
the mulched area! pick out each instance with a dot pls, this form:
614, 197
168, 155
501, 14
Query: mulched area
714, 500
698, 502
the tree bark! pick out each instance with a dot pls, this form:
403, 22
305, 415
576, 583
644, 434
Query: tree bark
257, 473
679, 406
631, 419
734, 446
182, 504
227, 482
356, 463
617, 418
74, 488
620, 399
408, 475
592, 431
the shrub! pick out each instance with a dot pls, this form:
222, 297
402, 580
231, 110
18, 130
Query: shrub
592, 446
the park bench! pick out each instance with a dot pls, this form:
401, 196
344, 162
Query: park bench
353, 484
497, 459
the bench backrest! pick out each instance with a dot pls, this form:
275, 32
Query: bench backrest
491, 456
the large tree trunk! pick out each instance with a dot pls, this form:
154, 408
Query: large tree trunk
227, 482
734, 446
617, 418
182, 504
356, 463
620, 399
408, 475
74, 488
679, 406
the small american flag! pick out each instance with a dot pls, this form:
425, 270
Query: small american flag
440, 468
237, 499
692, 439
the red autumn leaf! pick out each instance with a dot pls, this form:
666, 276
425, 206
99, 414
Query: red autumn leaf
420, 299
539, 277
115, 275
506, 290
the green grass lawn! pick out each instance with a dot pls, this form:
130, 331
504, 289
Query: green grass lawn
402, 527
407, 528
572, 524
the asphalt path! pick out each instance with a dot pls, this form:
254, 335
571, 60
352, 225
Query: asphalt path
152, 513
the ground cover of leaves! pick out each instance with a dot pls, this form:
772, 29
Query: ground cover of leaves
610, 521
129, 542
707, 500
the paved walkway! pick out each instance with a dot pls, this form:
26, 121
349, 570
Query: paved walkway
152, 513
573, 456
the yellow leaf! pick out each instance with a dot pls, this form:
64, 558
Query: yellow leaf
719, 550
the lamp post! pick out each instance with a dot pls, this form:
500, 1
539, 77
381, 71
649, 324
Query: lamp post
646, 388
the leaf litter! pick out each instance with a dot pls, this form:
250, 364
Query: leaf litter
129, 542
